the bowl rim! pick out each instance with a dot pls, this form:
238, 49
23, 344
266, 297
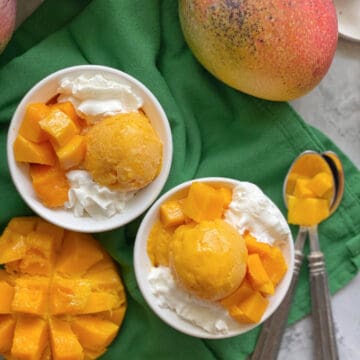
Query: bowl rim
99, 225
144, 229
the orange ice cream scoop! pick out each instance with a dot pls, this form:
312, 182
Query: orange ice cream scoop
208, 259
123, 152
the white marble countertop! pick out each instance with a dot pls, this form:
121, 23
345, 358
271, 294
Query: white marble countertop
334, 108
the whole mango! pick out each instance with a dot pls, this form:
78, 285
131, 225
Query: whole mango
7, 21
272, 49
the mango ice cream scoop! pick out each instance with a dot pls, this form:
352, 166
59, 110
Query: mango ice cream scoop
123, 152
208, 259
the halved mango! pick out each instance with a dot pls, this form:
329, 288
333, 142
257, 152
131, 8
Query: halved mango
12, 246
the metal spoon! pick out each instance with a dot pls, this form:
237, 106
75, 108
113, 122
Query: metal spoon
324, 334
269, 340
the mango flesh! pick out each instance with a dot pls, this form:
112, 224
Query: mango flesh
272, 49
61, 294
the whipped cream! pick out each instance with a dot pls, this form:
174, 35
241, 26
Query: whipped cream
87, 197
250, 209
94, 96
209, 316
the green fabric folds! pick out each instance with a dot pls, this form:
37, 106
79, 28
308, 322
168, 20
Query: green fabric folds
217, 131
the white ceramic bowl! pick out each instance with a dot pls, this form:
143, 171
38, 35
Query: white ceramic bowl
143, 266
45, 90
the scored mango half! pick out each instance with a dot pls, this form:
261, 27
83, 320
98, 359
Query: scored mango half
61, 293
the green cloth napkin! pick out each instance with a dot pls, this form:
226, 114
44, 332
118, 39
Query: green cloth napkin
217, 131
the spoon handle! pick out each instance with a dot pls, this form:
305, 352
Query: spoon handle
269, 340
324, 335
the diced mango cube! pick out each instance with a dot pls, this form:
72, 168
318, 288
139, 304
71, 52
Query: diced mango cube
78, 244
257, 276
64, 343
30, 128
69, 296
101, 301
68, 108
56, 232
23, 225
105, 280
243, 291
30, 152
94, 333
320, 184
31, 295
59, 126
251, 309
256, 247
30, 338
12, 246
226, 193
50, 184
307, 211
72, 153
302, 189
203, 202
6, 297
274, 265
171, 213
7, 327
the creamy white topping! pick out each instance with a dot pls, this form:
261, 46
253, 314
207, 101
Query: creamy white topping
94, 96
207, 315
250, 209
87, 197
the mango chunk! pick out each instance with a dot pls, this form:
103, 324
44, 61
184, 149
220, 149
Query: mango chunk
307, 211
50, 184
108, 279
320, 184
302, 189
59, 126
251, 309
68, 108
171, 213
30, 128
243, 291
101, 301
94, 333
56, 232
203, 203
64, 343
77, 245
158, 244
226, 193
256, 247
274, 265
6, 298
12, 246
30, 152
257, 276
31, 295
7, 327
30, 338
23, 225
72, 153
69, 296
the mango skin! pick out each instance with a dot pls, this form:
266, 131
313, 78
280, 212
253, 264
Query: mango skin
7, 22
272, 49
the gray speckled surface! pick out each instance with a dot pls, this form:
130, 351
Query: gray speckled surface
334, 108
